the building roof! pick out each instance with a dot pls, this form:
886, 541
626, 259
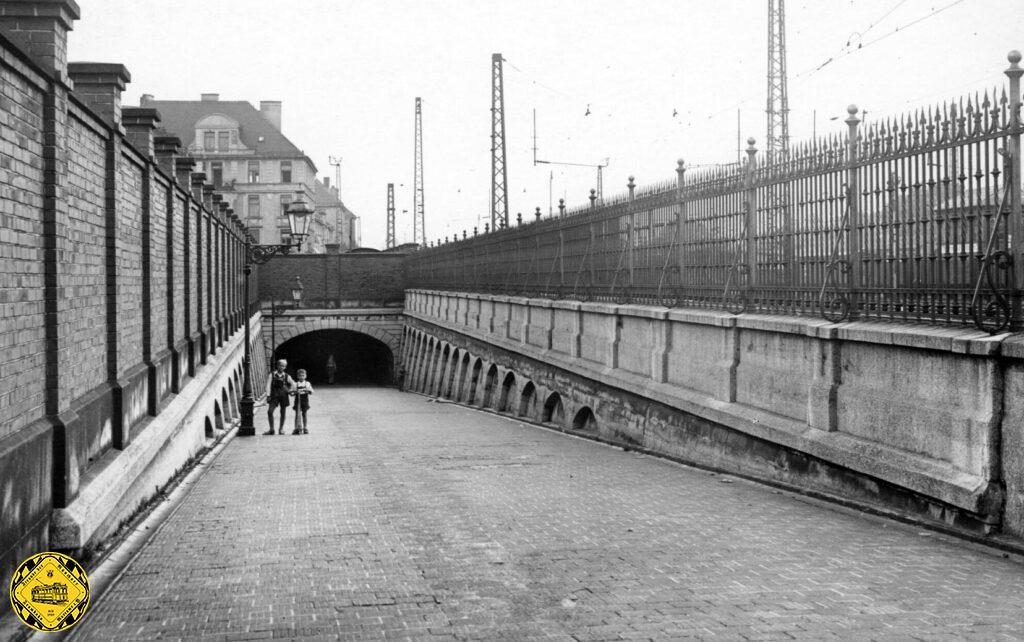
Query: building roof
179, 117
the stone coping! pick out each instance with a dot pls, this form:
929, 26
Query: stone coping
103, 492
945, 339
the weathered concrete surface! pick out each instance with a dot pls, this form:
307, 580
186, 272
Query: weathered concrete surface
402, 519
918, 409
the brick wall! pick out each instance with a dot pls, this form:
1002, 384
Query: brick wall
74, 278
128, 235
22, 366
83, 350
336, 280
158, 263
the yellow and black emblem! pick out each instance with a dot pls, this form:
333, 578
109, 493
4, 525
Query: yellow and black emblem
50, 592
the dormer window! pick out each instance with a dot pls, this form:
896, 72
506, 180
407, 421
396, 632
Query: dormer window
218, 133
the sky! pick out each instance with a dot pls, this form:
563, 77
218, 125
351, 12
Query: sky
661, 80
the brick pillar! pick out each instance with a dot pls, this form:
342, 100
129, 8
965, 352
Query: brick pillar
183, 174
40, 28
99, 85
139, 123
167, 150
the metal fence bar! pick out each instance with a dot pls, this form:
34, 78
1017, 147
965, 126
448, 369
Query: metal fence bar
900, 219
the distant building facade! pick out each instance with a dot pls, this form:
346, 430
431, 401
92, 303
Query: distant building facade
245, 155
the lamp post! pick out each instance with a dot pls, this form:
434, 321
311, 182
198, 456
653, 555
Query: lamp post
299, 215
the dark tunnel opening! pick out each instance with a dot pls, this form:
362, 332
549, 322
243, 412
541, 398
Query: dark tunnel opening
359, 358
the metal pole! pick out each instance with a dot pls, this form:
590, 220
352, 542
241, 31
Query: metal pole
273, 332
246, 429
1016, 222
853, 206
751, 213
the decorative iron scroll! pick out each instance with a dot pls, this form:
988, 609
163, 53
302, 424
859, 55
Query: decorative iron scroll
833, 300
623, 294
581, 291
998, 313
736, 300
676, 296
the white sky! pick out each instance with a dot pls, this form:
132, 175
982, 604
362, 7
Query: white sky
348, 73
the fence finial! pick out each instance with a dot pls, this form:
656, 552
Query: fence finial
680, 170
537, 213
593, 198
474, 230
519, 218
487, 228
561, 207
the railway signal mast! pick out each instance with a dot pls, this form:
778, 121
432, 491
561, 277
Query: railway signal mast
419, 234
499, 170
777, 140
390, 241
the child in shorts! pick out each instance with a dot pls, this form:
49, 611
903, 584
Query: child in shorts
301, 391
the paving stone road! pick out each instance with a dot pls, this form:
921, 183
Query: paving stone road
399, 518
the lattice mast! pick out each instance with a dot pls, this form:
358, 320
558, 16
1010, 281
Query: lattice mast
499, 171
777, 140
390, 242
419, 234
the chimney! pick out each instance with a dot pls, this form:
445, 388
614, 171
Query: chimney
327, 182
139, 123
271, 110
145, 100
209, 98
41, 27
99, 85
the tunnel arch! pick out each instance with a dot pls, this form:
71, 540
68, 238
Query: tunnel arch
360, 358
389, 339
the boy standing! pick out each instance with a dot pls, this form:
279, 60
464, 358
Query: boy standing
302, 391
279, 385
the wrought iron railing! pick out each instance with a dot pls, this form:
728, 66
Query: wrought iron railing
915, 218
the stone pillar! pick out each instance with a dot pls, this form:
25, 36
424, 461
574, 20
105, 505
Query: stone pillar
99, 85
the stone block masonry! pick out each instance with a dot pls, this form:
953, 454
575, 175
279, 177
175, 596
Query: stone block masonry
103, 242
919, 419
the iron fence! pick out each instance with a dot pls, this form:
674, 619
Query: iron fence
914, 218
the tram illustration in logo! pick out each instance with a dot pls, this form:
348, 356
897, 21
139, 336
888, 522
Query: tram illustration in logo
55, 593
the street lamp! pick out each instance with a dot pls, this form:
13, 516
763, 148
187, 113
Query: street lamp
297, 292
298, 224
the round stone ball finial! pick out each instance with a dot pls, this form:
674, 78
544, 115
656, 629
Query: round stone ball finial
680, 163
1013, 57
751, 141
852, 110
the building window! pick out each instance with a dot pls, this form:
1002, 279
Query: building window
254, 206
286, 200
209, 140
254, 171
222, 141
286, 171
217, 173
254, 232
286, 235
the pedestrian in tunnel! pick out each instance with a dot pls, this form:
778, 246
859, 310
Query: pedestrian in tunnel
279, 385
331, 368
302, 390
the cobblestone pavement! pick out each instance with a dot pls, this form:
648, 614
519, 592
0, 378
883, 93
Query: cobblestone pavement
399, 518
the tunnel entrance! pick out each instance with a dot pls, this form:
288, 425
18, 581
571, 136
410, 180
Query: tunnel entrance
359, 358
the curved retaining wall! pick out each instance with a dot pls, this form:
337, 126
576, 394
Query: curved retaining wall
916, 418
